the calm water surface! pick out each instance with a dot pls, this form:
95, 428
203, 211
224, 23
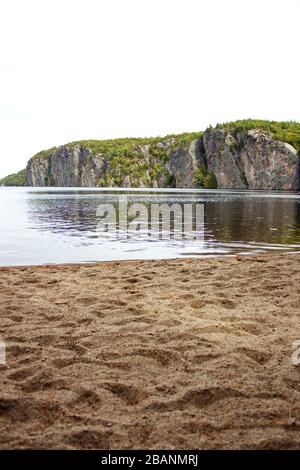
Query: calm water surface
42, 225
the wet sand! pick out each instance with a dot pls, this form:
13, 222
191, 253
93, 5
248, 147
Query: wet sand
189, 354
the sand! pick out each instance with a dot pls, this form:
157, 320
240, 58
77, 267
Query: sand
186, 354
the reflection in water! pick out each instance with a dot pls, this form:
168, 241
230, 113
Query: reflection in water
57, 225
229, 218
266, 221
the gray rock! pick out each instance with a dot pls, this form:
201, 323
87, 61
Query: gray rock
246, 160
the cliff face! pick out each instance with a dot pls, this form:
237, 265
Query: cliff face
65, 167
250, 159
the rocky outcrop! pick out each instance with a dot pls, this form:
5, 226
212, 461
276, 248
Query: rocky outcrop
266, 163
183, 163
65, 167
250, 159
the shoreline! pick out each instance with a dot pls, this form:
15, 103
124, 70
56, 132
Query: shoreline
171, 354
152, 260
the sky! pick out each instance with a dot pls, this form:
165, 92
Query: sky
98, 69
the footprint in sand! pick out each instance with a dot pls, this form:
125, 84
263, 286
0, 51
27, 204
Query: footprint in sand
64, 362
197, 398
186, 296
32, 280
251, 328
128, 393
45, 340
132, 280
88, 397
22, 374
260, 357
17, 350
54, 317
136, 311
118, 303
16, 318
199, 359
44, 380
198, 304
227, 303
88, 439
88, 300
163, 356
24, 409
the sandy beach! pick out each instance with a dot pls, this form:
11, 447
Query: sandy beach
182, 354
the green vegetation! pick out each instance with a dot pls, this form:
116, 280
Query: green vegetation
210, 181
45, 153
158, 151
200, 176
183, 139
170, 181
16, 179
204, 179
288, 131
49, 180
128, 147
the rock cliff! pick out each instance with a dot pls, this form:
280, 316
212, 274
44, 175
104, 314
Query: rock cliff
234, 157
251, 160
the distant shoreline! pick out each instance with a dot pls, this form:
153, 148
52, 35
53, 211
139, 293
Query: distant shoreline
146, 260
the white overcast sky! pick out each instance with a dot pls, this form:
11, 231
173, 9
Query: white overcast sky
94, 69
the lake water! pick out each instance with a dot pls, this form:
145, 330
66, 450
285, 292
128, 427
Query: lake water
59, 225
